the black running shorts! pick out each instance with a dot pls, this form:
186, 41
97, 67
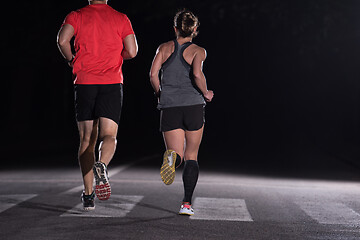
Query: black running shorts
188, 118
94, 101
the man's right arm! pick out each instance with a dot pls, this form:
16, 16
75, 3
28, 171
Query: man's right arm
130, 47
63, 41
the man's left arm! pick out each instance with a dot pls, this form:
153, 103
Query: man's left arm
130, 47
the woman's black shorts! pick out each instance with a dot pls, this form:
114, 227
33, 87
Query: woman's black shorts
94, 101
188, 118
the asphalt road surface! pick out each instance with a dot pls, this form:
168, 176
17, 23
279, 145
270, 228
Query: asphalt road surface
45, 204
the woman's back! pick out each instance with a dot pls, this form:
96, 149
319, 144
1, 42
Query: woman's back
177, 83
189, 53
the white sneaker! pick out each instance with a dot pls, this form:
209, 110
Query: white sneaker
186, 209
167, 171
102, 185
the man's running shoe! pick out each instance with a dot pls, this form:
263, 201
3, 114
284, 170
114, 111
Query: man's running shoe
88, 201
102, 187
167, 171
186, 209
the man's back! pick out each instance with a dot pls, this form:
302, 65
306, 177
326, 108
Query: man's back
99, 31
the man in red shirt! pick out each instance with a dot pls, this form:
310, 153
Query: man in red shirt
103, 39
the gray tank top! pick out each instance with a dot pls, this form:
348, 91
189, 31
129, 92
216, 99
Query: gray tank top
178, 87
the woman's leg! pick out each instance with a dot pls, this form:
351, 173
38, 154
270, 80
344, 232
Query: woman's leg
192, 144
191, 168
174, 140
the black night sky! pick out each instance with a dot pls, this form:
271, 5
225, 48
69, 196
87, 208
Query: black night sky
285, 75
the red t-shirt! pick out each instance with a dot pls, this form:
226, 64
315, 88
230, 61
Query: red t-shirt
99, 31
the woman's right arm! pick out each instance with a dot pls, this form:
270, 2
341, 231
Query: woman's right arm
154, 71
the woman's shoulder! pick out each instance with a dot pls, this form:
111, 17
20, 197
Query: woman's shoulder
199, 50
166, 45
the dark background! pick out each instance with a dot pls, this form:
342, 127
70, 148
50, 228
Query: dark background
285, 76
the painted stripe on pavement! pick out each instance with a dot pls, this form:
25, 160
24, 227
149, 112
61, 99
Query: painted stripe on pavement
330, 212
117, 206
9, 201
224, 209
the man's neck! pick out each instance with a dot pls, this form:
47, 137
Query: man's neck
97, 2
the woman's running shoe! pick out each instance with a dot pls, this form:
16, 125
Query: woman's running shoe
167, 171
88, 201
186, 209
102, 185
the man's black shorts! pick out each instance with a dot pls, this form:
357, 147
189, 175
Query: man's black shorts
94, 101
188, 118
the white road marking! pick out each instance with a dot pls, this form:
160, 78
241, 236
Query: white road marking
330, 212
9, 201
224, 209
74, 190
117, 206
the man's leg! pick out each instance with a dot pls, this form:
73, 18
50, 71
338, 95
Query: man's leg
88, 131
108, 133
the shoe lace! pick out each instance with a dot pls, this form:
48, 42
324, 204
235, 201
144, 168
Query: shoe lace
187, 205
89, 197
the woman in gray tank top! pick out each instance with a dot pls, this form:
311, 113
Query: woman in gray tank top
182, 93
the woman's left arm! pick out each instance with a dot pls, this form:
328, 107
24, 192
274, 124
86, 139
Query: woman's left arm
199, 76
